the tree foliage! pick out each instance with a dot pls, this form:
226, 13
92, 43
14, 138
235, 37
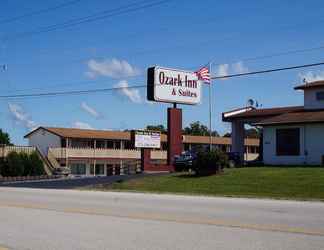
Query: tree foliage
249, 133
160, 128
21, 164
4, 137
196, 128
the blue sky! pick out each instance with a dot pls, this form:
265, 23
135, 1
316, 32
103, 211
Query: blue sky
116, 51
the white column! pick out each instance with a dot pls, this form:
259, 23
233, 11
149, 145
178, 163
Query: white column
94, 155
238, 138
121, 167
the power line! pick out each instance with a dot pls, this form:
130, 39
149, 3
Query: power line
73, 92
277, 54
92, 91
269, 70
91, 18
38, 12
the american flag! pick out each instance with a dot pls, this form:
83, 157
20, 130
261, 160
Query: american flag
203, 74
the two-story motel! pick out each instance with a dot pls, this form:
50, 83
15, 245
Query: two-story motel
100, 152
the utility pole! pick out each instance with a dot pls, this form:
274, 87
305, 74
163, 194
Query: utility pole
210, 108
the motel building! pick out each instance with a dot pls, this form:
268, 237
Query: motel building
102, 153
291, 135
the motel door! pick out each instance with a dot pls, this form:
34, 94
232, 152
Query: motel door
109, 169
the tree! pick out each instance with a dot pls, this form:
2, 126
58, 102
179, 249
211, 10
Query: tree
249, 133
160, 128
196, 128
4, 138
252, 133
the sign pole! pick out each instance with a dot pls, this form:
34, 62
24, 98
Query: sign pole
210, 108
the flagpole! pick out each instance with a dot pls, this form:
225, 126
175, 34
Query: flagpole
210, 108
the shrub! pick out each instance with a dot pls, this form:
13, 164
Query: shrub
210, 162
15, 166
21, 164
37, 167
27, 164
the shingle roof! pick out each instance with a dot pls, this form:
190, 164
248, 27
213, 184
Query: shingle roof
126, 135
310, 85
216, 140
267, 112
305, 116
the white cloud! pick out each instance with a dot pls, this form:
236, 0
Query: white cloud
81, 125
91, 111
112, 68
311, 76
227, 69
21, 117
132, 94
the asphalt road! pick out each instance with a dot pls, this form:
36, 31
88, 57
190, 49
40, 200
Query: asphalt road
71, 219
73, 183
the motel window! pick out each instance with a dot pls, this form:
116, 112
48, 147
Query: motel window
164, 146
78, 169
100, 169
117, 144
110, 144
288, 141
320, 96
127, 145
100, 144
186, 147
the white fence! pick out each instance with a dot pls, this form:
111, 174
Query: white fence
5, 150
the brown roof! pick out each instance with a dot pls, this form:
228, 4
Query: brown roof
216, 140
306, 116
310, 85
126, 135
267, 112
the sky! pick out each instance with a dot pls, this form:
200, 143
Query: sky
44, 53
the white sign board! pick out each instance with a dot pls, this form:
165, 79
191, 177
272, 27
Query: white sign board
147, 139
174, 86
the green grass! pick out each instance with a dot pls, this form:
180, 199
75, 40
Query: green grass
302, 183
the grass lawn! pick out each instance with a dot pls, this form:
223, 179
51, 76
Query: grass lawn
302, 183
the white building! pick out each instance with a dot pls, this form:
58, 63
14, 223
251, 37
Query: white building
291, 135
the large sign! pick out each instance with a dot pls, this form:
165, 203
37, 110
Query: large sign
173, 86
147, 139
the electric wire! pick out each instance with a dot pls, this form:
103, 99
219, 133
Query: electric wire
38, 12
92, 91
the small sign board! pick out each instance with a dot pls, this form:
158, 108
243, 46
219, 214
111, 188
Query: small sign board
173, 86
147, 139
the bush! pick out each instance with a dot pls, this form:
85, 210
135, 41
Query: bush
21, 164
37, 167
210, 162
15, 165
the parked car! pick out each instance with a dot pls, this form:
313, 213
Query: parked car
62, 171
184, 161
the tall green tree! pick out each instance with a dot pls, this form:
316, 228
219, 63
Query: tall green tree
196, 128
160, 128
4, 137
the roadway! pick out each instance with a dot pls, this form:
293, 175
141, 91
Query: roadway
72, 219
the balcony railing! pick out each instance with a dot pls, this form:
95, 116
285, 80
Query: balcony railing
61, 153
